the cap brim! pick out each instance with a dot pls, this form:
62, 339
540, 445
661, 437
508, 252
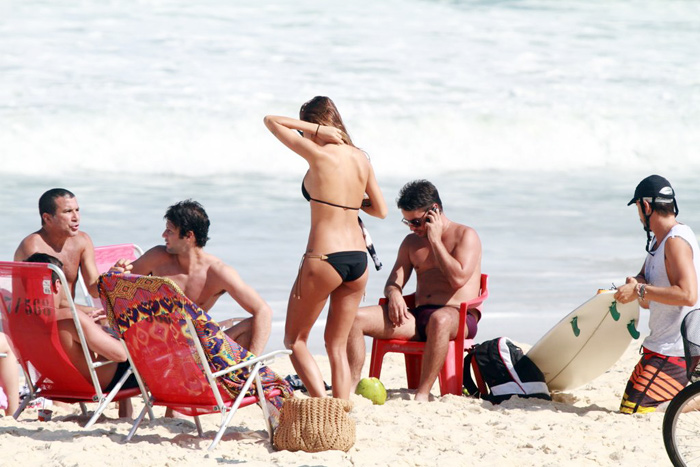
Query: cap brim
632, 201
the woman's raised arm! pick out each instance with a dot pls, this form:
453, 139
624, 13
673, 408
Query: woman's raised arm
314, 135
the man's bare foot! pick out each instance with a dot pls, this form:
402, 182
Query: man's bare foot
423, 397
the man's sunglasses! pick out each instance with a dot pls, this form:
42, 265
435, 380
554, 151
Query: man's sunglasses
415, 222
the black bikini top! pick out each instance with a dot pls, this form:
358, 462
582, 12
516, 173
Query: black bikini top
309, 198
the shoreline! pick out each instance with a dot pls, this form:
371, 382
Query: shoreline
580, 426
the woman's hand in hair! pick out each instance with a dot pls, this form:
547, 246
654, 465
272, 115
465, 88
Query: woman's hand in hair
330, 134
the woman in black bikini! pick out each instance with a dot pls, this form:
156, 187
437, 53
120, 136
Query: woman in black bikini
339, 183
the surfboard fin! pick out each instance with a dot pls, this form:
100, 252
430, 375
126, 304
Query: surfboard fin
632, 329
613, 311
574, 326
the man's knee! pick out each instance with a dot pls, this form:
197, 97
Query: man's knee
442, 323
366, 316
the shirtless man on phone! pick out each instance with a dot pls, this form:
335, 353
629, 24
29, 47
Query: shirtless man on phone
447, 259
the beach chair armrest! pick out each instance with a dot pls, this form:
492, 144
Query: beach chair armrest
268, 357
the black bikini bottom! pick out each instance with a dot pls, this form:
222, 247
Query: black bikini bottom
350, 265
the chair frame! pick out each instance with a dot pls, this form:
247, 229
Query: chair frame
99, 396
227, 408
451, 373
183, 343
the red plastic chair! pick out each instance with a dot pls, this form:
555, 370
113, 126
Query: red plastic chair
29, 320
450, 375
167, 358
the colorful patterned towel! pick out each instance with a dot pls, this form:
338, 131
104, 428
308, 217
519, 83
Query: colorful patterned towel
136, 298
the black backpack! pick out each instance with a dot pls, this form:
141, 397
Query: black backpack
500, 370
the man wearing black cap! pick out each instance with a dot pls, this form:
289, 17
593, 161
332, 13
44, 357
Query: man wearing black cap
668, 286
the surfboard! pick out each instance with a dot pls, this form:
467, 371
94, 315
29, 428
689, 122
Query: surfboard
586, 342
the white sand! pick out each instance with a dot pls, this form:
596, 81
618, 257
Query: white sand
581, 427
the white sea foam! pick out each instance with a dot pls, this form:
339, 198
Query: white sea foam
431, 87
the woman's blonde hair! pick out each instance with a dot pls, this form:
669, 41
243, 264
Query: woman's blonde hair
322, 110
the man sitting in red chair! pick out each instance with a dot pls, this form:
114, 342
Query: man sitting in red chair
99, 341
447, 259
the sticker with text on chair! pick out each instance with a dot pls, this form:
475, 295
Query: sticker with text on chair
47, 286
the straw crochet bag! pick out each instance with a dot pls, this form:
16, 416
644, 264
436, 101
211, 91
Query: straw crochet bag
315, 424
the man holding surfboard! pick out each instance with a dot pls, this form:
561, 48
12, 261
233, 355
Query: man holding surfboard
447, 259
668, 286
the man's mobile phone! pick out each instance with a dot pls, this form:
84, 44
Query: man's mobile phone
434, 209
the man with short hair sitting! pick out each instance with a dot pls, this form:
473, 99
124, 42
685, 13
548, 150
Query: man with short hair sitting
447, 259
201, 276
60, 236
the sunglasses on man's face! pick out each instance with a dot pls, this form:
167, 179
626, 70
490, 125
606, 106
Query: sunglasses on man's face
415, 222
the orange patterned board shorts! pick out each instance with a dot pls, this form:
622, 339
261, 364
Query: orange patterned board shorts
655, 380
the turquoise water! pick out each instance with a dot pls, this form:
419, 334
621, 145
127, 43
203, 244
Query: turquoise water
535, 119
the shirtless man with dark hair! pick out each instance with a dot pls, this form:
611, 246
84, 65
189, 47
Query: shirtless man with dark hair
447, 259
203, 277
60, 236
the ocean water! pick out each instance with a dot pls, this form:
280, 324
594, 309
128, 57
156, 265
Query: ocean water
535, 119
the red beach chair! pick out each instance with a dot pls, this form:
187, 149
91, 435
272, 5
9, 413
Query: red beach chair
29, 320
165, 350
450, 376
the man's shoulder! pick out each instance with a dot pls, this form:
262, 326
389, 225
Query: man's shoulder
82, 237
464, 231
158, 255
82, 241
158, 250
30, 240
32, 243
217, 266
683, 230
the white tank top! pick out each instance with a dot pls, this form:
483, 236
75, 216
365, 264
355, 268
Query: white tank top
665, 320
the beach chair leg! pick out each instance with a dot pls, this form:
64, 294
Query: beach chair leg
413, 369
104, 401
96, 414
137, 422
28, 398
376, 359
198, 423
22, 406
235, 406
263, 405
83, 409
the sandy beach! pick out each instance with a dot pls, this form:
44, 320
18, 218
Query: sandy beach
579, 427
